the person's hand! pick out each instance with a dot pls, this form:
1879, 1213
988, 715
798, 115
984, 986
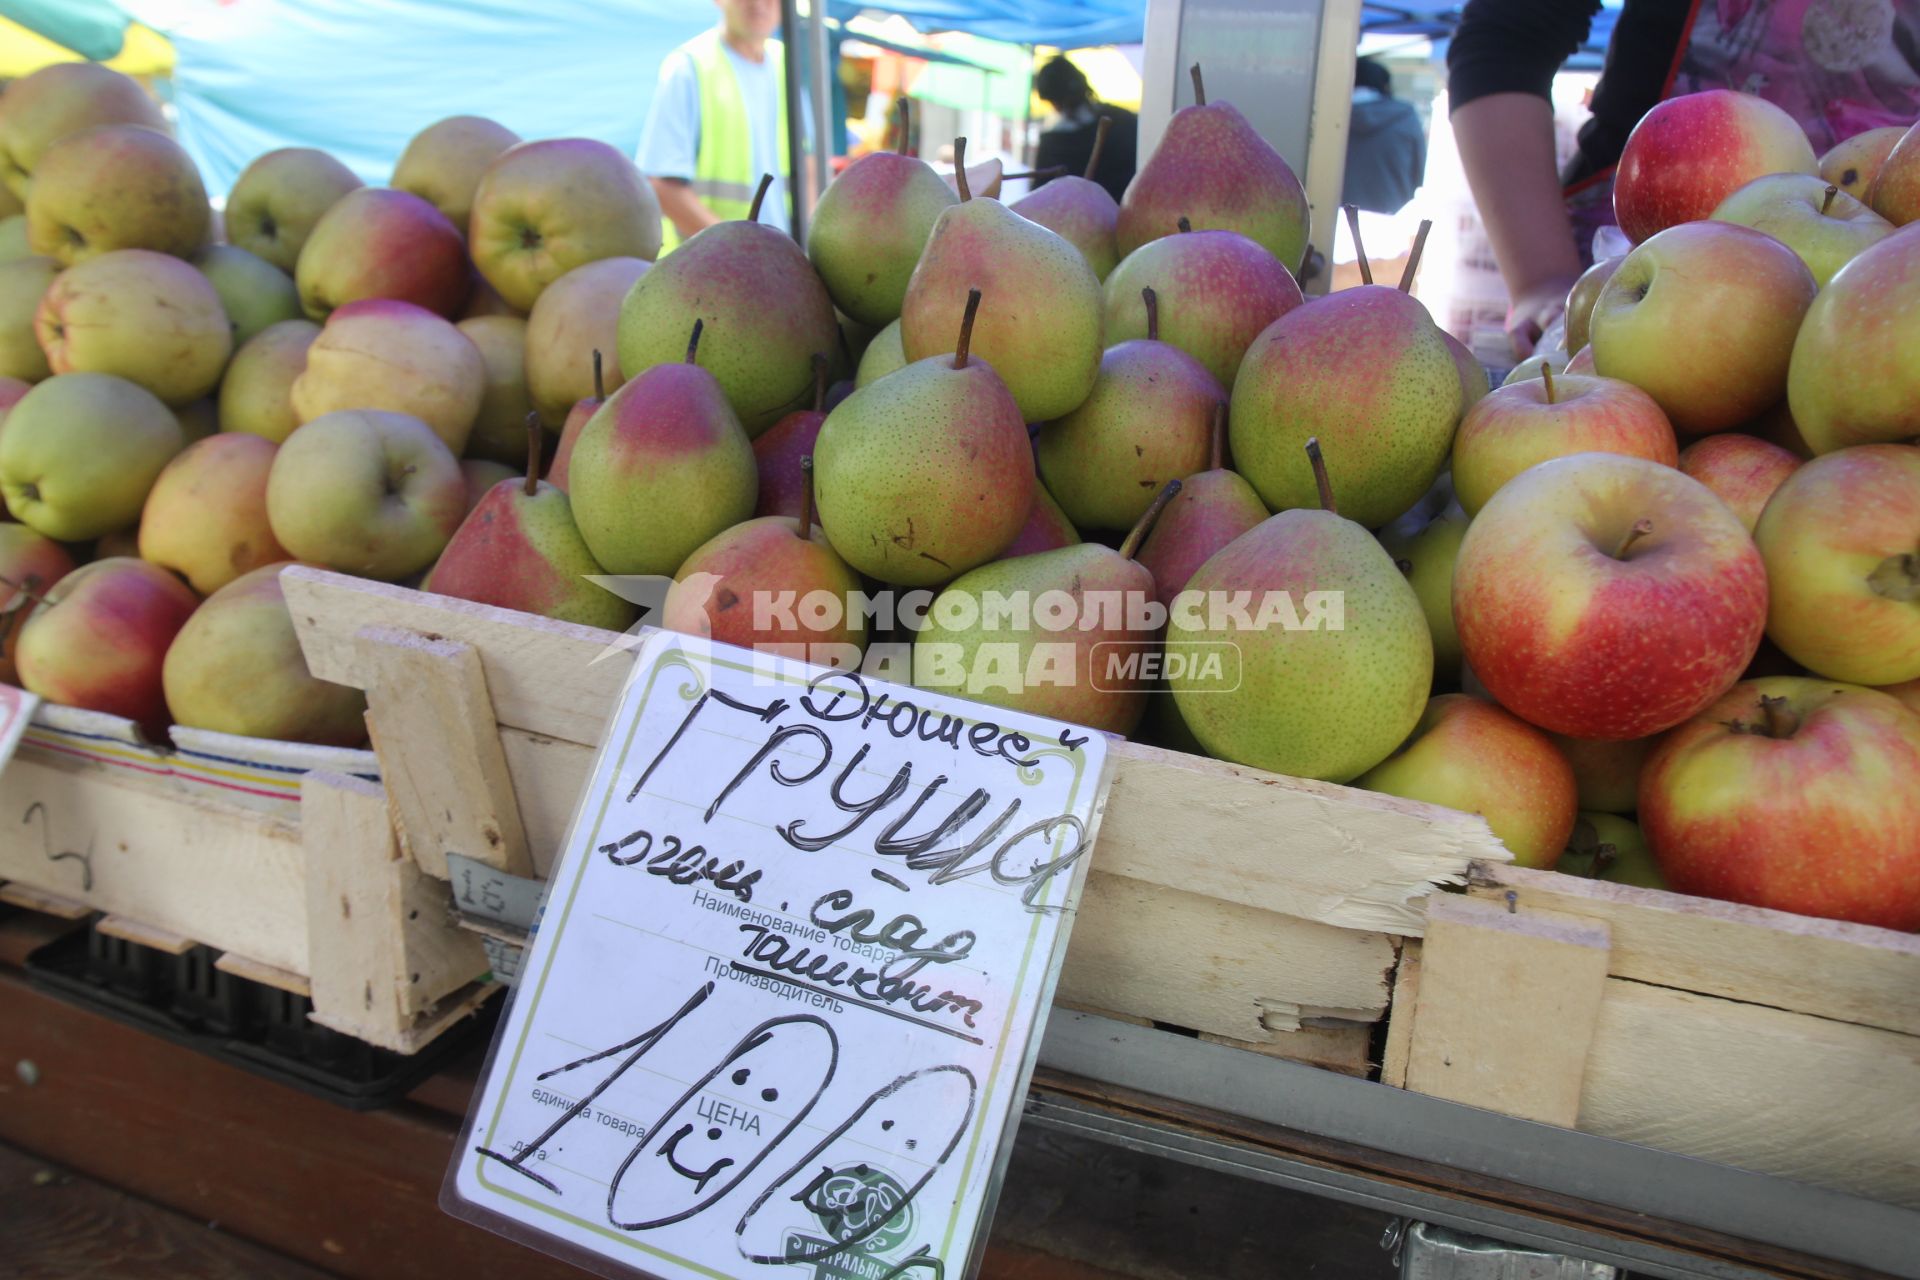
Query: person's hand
1533, 311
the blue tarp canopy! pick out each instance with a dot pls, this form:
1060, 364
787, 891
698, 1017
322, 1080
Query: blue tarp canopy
1066, 24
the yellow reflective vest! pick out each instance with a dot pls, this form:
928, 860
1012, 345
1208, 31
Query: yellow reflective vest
723, 173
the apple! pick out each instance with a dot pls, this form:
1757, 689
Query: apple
80, 452
1851, 164
206, 518
1580, 363
1606, 846
1841, 541
1548, 417
575, 316
443, 162
1702, 318
1427, 558
382, 354
22, 284
59, 99
1603, 596
1824, 225
1580, 299
1908, 692
253, 292
116, 187
256, 396
237, 667
1533, 364
1466, 753
500, 427
365, 491
481, 475
1742, 471
1691, 152
1855, 373
1794, 794
377, 243
13, 238
99, 639
1895, 193
1607, 772
277, 200
30, 561
147, 317
544, 208
1776, 426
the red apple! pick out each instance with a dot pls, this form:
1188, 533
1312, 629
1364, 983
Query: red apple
1855, 374
1794, 794
27, 560
1608, 773
1742, 471
1691, 152
1548, 417
1852, 164
1607, 597
1895, 193
379, 243
101, 637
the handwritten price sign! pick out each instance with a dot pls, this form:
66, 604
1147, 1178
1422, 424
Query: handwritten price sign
784, 996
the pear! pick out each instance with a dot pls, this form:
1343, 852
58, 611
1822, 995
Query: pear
1212, 509
741, 587
577, 418
1149, 420
1427, 557
1212, 168
1330, 667
1093, 671
662, 466
779, 451
758, 294
1041, 330
1047, 528
1219, 291
882, 356
1606, 846
872, 221
520, 549
929, 471
1080, 210
1474, 382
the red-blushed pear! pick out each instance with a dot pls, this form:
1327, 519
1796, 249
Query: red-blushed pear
1047, 528
1841, 540
1327, 664
481, 475
1522, 425
1580, 300
760, 354
1092, 671
1603, 596
883, 356
1794, 794
1855, 374
366, 492
778, 451
577, 419
577, 319
1215, 170
237, 667
380, 243
253, 292
206, 518
1080, 210
29, 563
256, 396
1852, 164
63, 98
1474, 380
116, 187
1895, 193
543, 208
1743, 471
1607, 772
928, 472
730, 589
662, 466
1427, 557
443, 162
1702, 317
1824, 225
1606, 846
383, 354
1213, 508
520, 549
1148, 420
81, 451
147, 317
1691, 152
872, 221
23, 284
99, 635
277, 200
1219, 289
499, 427
1469, 754
1040, 328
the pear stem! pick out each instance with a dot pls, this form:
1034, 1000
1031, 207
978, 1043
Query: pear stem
1184, 224
1218, 460
819, 382
900, 110
960, 170
1144, 526
533, 454
1546, 376
966, 329
1826, 201
693, 343
1413, 259
1321, 480
806, 497
753, 210
1099, 144
1152, 300
1199, 87
1359, 250
1641, 528
1779, 719
599, 381
1051, 171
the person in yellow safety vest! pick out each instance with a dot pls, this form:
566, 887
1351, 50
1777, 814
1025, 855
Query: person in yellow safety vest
718, 122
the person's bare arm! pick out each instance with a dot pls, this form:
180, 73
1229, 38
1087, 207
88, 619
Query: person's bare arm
687, 211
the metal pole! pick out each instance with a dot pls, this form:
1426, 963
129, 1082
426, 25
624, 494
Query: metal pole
796, 135
826, 129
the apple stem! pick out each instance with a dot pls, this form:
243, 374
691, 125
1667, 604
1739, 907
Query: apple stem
1051, 171
819, 382
1152, 300
1199, 87
1184, 224
806, 497
966, 329
1144, 526
900, 110
1218, 461
1780, 719
1897, 578
1359, 250
753, 210
1413, 258
1099, 145
1321, 480
1546, 376
28, 588
1641, 528
1826, 201
693, 343
599, 382
534, 441
960, 170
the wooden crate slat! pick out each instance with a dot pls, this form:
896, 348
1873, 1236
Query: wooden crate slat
1406, 999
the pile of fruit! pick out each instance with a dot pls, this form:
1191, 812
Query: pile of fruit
1095, 460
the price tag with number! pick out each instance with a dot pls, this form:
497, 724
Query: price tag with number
783, 1000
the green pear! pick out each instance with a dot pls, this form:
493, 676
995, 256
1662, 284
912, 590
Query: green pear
1041, 330
1328, 668
499, 428
663, 465
1094, 671
757, 293
1213, 508
1080, 210
1427, 557
1606, 846
928, 472
1148, 420
870, 226
882, 356
520, 549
